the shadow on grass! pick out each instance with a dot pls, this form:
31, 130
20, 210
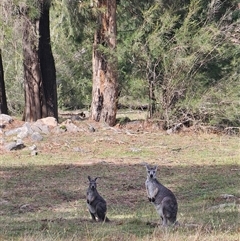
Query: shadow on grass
41, 199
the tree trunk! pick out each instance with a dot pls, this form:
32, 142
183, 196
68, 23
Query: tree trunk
152, 98
35, 107
105, 85
3, 98
47, 63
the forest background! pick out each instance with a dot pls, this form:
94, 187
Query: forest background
179, 59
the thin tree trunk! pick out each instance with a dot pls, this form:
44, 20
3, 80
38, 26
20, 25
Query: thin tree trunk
35, 107
3, 98
152, 98
105, 85
47, 63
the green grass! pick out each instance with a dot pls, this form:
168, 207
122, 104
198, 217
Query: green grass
43, 196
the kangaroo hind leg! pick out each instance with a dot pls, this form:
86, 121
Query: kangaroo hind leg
101, 212
93, 216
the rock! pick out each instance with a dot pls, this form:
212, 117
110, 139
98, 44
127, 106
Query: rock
13, 131
49, 121
42, 125
19, 144
59, 129
15, 145
32, 148
10, 146
34, 153
69, 126
23, 132
72, 128
27, 126
5, 119
36, 136
38, 126
91, 129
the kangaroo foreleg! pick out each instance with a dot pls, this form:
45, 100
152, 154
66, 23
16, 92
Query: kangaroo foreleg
153, 197
155, 193
148, 195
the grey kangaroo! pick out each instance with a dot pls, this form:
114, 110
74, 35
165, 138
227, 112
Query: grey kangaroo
163, 199
96, 204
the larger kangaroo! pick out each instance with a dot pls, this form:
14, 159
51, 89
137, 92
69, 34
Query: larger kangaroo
163, 199
96, 204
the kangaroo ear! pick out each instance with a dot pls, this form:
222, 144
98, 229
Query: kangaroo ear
146, 165
89, 178
96, 179
155, 168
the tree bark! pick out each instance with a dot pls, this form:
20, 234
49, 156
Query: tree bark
39, 67
105, 85
152, 98
47, 63
35, 105
3, 98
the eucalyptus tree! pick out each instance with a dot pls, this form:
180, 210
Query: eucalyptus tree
39, 68
35, 103
3, 99
47, 63
105, 83
98, 17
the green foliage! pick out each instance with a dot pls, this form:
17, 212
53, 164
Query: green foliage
72, 56
11, 45
222, 103
183, 51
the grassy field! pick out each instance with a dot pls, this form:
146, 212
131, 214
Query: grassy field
43, 196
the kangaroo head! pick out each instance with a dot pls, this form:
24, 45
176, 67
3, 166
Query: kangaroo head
151, 172
92, 183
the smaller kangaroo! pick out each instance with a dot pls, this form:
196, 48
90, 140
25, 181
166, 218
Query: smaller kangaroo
96, 204
162, 198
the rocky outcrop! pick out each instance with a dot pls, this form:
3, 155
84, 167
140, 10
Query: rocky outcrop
35, 131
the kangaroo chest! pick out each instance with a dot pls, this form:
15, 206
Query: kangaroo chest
90, 195
90, 198
152, 188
